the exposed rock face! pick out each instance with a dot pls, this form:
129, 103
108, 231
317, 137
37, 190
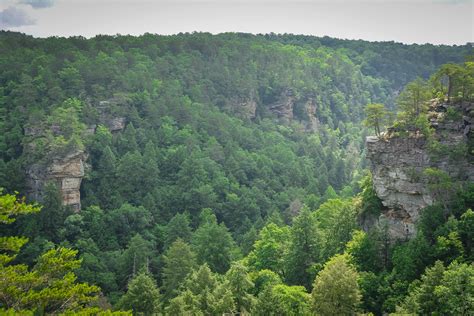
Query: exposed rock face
397, 165
113, 122
245, 108
312, 123
65, 172
283, 107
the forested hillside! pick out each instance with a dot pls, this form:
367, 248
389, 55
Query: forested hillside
209, 174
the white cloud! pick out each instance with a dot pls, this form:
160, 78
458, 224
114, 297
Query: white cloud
14, 17
38, 4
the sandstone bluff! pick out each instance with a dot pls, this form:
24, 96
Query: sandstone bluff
67, 169
397, 164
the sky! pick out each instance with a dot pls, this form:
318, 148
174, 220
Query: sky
408, 21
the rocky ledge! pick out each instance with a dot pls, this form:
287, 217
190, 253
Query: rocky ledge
398, 162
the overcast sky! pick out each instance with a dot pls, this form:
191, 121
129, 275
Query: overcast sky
408, 21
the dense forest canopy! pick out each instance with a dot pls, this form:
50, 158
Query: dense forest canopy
223, 174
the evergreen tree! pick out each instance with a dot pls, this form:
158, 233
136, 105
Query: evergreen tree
376, 117
107, 176
442, 291
303, 251
213, 243
365, 251
335, 290
177, 227
203, 293
50, 286
412, 100
142, 297
135, 258
178, 262
241, 286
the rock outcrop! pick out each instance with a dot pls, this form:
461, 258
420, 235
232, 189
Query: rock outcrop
66, 168
106, 116
244, 108
283, 107
312, 123
64, 172
398, 162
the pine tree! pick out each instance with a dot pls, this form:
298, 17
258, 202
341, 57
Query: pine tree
50, 286
376, 117
303, 249
335, 290
177, 227
213, 243
241, 286
203, 292
412, 100
178, 262
142, 297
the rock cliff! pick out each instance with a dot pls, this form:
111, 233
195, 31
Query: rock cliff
398, 162
311, 123
283, 107
64, 172
65, 169
244, 108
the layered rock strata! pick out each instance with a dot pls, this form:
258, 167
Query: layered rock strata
398, 162
65, 173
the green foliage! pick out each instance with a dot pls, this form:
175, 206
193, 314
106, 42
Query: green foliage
444, 291
466, 231
178, 262
365, 252
452, 114
213, 243
136, 257
370, 203
412, 101
51, 294
61, 133
454, 81
336, 220
241, 286
303, 250
11, 207
282, 299
376, 117
410, 259
178, 228
142, 297
440, 184
336, 291
270, 249
50, 286
203, 294
192, 141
